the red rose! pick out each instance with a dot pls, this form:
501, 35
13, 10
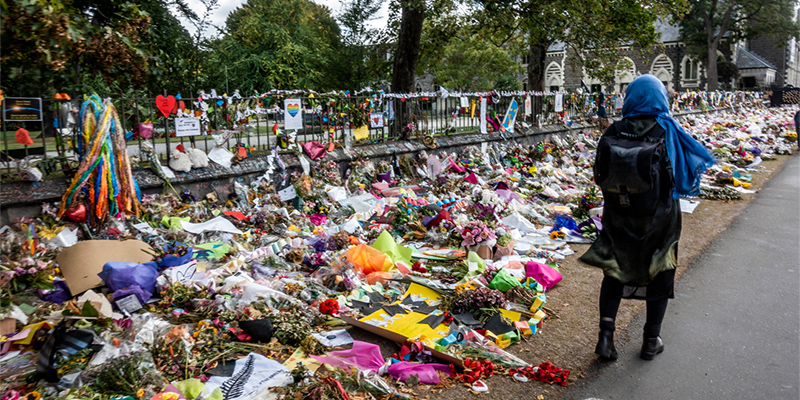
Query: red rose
329, 307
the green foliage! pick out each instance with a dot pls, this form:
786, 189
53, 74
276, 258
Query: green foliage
464, 58
83, 46
285, 44
710, 22
361, 61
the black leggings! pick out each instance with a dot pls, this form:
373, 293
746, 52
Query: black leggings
610, 297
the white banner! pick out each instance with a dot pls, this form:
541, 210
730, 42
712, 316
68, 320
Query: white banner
559, 104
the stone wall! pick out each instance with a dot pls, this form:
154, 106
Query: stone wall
23, 199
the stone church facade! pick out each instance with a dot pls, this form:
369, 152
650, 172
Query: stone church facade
677, 68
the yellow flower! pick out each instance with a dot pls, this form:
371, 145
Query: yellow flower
140, 393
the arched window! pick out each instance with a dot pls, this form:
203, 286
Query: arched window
691, 69
625, 75
690, 72
663, 70
554, 77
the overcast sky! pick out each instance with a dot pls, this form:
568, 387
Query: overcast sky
226, 6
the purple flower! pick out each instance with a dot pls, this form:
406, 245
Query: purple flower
19, 270
32, 271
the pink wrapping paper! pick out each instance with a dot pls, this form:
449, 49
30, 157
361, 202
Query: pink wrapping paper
363, 356
546, 275
427, 372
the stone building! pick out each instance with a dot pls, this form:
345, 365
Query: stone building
762, 63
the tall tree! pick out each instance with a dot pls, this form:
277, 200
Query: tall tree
83, 46
285, 44
358, 43
710, 22
462, 56
408, 45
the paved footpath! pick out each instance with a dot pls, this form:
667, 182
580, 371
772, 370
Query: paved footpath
733, 329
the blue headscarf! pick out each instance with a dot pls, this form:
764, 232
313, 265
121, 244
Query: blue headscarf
646, 95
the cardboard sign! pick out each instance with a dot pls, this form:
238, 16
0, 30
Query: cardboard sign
81, 263
293, 114
187, 127
464, 102
22, 109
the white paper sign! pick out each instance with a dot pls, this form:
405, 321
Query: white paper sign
187, 127
688, 206
293, 114
559, 104
483, 115
287, 194
618, 103
217, 224
484, 147
528, 106
305, 164
220, 156
464, 102
376, 120
434, 166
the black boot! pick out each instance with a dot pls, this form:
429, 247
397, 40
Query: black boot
650, 347
605, 346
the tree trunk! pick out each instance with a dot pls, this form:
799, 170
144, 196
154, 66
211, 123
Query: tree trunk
711, 67
405, 60
407, 53
538, 52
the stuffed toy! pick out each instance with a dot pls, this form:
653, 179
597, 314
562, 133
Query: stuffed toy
179, 161
198, 157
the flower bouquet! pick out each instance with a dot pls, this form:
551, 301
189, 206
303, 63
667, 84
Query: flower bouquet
505, 245
476, 236
383, 171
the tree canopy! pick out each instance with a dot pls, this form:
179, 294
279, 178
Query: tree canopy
710, 22
285, 44
85, 46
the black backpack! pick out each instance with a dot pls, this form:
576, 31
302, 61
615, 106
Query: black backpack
634, 172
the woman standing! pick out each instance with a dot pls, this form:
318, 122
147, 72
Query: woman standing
644, 164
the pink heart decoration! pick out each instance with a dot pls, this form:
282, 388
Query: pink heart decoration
165, 104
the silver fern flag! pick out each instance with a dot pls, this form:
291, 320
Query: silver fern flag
250, 375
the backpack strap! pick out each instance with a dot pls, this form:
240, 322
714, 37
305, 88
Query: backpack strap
656, 133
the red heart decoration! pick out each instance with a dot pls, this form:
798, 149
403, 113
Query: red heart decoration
77, 213
165, 104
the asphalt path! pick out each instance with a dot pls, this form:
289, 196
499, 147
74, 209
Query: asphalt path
733, 329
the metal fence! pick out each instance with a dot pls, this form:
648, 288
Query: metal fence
249, 123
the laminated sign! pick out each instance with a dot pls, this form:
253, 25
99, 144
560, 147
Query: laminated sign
293, 114
187, 127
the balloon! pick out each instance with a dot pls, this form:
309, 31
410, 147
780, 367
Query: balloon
77, 213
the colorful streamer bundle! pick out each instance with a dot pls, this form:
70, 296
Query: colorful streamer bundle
104, 174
